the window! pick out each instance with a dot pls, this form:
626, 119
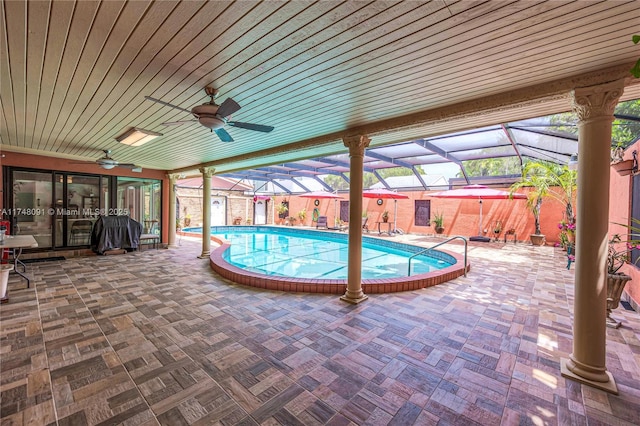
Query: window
140, 199
423, 212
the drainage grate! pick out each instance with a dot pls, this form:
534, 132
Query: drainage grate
43, 259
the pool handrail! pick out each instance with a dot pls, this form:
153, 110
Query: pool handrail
438, 245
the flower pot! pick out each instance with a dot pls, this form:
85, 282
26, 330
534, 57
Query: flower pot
615, 285
385, 219
439, 229
537, 239
4, 280
623, 168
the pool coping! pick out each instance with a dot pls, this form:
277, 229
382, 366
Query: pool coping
329, 286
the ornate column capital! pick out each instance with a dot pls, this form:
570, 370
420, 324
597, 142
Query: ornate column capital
356, 144
596, 101
173, 177
207, 172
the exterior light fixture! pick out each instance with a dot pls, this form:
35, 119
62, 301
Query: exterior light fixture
137, 137
573, 162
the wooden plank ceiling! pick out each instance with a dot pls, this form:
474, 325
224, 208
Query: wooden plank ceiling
74, 75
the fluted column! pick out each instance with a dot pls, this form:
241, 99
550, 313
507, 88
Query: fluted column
594, 107
207, 172
173, 177
356, 145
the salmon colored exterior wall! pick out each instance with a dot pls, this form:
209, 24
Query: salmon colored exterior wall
59, 164
620, 212
460, 216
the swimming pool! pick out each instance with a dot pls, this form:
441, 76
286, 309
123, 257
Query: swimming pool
295, 259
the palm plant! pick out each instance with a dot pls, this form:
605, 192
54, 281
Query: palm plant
548, 180
537, 176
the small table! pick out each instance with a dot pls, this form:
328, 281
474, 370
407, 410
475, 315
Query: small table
17, 243
380, 231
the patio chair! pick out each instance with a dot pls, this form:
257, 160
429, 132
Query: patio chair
365, 227
322, 222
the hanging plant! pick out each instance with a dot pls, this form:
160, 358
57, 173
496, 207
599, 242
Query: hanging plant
636, 69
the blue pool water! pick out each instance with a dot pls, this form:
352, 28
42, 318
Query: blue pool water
319, 255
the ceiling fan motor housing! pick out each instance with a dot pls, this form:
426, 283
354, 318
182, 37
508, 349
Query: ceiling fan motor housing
207, 116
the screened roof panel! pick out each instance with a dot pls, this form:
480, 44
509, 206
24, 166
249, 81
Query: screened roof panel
541, 154
541, 138
426, 159
402, 150
546, 142
312, 163
471, 140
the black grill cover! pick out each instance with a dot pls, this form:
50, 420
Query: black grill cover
115, 232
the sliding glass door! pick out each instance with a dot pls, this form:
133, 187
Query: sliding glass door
31, 207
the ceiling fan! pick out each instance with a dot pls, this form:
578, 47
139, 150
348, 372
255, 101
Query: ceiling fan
214, 116
108, 163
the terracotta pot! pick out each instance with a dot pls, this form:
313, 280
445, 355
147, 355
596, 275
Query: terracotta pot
623, 168
615, 285
537, 239
439, 229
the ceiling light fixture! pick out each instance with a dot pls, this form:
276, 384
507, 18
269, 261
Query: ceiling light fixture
137, 137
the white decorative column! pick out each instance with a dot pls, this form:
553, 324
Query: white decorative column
594, 107
173, 178
356, 145
207, 172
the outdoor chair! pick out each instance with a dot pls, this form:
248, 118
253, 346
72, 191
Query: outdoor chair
365, 227
322, 222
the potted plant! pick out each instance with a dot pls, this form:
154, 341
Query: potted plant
282, 210
617, 256
618, 163
438, 220
302, 215
539, 177
385, 216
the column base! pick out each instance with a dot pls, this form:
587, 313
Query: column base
204, 255
608, 386
353, 300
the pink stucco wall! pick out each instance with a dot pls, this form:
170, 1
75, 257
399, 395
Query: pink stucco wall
620, 212
461, 217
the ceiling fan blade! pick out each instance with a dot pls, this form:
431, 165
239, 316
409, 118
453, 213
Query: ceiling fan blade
133, 167
177, 123
223, 135
82, 162
228, 107
251, 126
166, 104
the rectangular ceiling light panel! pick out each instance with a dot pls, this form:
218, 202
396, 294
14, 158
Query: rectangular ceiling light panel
137, 137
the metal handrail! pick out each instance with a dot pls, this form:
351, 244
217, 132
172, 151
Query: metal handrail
438, 245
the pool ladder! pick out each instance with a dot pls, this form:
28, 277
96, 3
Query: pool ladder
438, 245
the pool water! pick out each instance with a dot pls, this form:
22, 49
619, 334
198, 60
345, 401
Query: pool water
316, 256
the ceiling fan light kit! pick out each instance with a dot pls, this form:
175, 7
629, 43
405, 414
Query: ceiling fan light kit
137, 137
108, 163
214, 116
